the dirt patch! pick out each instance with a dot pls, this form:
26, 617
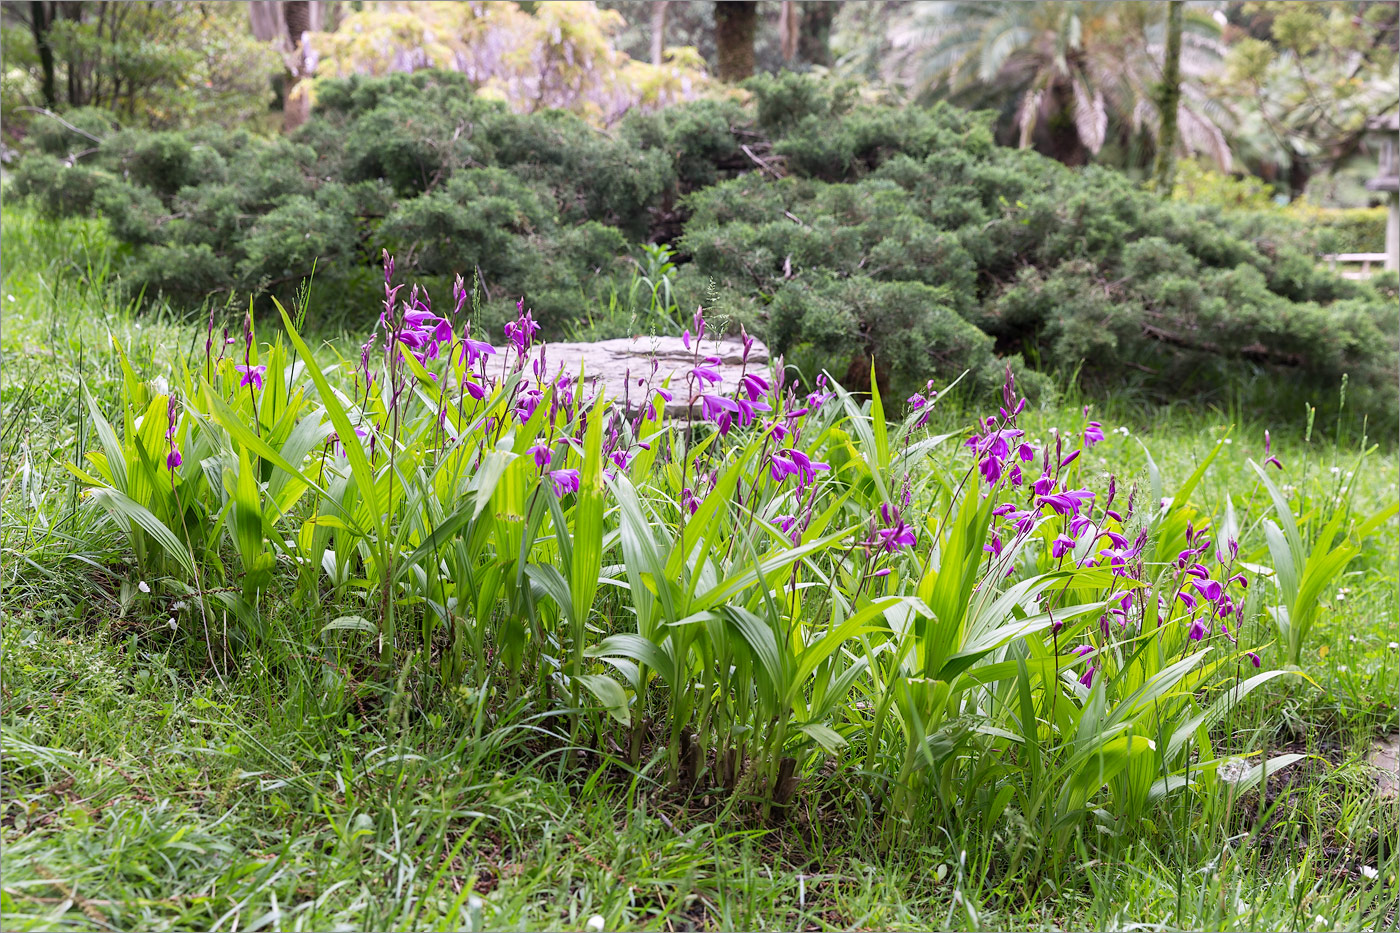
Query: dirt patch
1385, 758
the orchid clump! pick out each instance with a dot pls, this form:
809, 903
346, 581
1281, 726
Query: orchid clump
750, 572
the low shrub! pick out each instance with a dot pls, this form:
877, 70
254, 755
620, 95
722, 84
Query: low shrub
834, 223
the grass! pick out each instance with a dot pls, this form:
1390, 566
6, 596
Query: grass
144, 788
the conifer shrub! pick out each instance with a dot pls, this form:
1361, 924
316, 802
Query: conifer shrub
839, 226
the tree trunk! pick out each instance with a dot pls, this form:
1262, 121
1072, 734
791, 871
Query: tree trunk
298, 14
1168, 100
72, 10
735, 24
296, 106
658, 31
39, 23
265, 17
787, 29
814, 36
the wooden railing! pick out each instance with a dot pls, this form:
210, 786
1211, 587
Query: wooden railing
1369, 263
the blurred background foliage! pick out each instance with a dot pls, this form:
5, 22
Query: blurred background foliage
837, 176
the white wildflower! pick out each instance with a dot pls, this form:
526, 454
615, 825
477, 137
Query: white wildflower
143, 586
1368, 872
595, 924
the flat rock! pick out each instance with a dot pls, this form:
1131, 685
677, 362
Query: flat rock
1385, 758
624, 366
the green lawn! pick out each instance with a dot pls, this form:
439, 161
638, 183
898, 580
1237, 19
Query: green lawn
148, 786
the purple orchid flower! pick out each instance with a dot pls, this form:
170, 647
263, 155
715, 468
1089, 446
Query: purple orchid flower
521, 331
713, 406
473, 350
565, 481
793, 462
754, 386
1068, 502
1210, 590
252, 375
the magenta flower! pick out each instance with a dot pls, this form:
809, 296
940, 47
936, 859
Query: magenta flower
713, 406
754, 386
565, 481
793, 462
1061, 546
1209, 590
1270, 457
473, 350
990, 468
521, 331
1197, 631
1068, 502
747, 409
526, 405
1114, 538
789, 526
1093, 434
1024, 519
689, 500
173, 459
1254, 658
252, 375
1118, 558
542, 455
1187, 600
895, 537
706, 374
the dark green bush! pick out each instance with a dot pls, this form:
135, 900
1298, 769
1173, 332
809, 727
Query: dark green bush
899, 234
